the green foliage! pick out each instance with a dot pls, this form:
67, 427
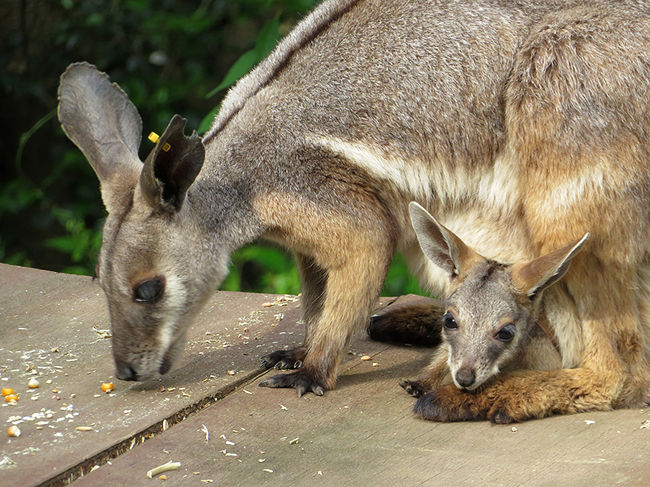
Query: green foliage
168, 56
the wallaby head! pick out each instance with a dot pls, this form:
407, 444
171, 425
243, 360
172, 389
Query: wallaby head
151, 264
491, 308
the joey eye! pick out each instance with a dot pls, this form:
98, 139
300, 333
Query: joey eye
506, 333
149, 291
449, 322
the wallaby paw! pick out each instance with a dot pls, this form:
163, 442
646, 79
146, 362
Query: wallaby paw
301, 381
284, 359
412, 387
500, 416
447, 404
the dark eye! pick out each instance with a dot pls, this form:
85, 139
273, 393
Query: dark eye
506, 333
449, 322
149, 291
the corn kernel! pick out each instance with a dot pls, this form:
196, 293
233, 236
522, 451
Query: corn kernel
6, 391
107, 386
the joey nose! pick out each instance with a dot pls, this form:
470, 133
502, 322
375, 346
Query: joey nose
465, 377
124, 371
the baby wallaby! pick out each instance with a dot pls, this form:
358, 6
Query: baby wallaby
493, 316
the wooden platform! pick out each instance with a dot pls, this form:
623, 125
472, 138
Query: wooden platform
210, 416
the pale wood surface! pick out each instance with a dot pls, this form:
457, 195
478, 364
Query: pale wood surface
362, 433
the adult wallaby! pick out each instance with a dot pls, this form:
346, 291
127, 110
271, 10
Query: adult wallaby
522, 125
494, 321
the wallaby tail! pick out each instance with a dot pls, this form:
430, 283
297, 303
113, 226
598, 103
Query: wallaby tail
409, 319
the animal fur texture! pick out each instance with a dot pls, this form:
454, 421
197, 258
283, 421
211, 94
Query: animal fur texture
522, 125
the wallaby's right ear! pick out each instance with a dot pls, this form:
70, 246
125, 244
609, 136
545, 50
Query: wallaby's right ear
439, 243
103, 123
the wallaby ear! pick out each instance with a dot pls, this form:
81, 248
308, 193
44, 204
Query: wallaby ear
172, 166
535, 276
103, 123
440, 244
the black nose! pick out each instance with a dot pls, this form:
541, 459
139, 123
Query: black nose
124, 371
465, 377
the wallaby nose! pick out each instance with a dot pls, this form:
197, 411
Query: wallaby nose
465, 376
124, 371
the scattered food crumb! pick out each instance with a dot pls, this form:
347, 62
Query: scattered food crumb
645, 425
83, 428
107, 386
267, 470
365, 357
163, 477
7, 391
13, 431
267, 305
283, 407
514, 429
589, 421
33, 383
294, 441
163, 468
231, 372
375, 364
261, 460
247, 392
11, 398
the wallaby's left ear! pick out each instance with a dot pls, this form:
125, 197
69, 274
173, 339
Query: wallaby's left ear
535, 276
172, 166
441, 245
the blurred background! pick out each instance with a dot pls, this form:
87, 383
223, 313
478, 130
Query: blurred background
170, 56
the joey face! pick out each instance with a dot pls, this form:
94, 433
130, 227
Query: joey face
154, 271
485, 325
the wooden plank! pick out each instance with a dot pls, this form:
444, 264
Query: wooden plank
363, 434
54, 327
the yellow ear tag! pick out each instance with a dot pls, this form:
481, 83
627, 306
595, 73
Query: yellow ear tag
154, 137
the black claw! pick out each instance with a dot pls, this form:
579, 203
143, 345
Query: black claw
297, 364
301, 381
284, 359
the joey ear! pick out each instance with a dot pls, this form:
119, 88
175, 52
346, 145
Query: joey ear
103, 123
172, 166
535, 276
440, 244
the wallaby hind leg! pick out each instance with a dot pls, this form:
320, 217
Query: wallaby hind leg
313, 280
410, 319
352, 289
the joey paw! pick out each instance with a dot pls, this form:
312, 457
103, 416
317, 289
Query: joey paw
301, 381
447, 404
412, 387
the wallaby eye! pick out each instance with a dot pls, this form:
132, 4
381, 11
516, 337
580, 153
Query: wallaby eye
149, 291
506, 333
449, 321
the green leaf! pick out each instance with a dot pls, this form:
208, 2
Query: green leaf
207, 120
267, 38
242, 66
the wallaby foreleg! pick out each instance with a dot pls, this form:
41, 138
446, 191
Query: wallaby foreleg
351, 292
313, 280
